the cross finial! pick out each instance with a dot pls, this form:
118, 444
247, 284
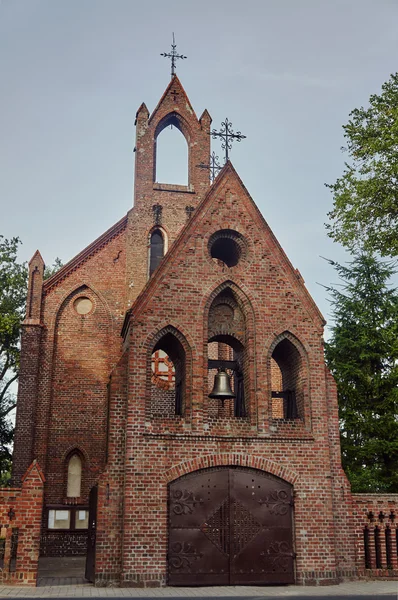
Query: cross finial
227, 136
173, 55
214, 166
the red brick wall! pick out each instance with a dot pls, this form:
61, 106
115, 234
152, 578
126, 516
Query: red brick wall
174, 199
376, 512
67, 359
110, 490
26, 503
162, 401
79, 393
75, 355
272, 300
65, 366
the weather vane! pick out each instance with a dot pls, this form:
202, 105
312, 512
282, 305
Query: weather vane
227, 136
213, 166
173, 55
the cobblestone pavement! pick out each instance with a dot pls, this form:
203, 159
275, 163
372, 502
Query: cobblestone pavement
371, 589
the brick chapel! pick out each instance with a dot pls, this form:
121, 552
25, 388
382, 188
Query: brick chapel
133, 462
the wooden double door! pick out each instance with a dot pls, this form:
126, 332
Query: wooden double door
230, 526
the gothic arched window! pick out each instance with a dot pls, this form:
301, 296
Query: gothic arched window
226, 349
167, 377
172, 154
288, 381
156, 250
74, 481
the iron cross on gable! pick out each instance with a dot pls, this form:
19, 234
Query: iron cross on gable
227, 135
173, 55
175, 93
213, 166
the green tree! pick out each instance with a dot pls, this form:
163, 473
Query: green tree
363, 357
50, 271
13, 285
365, 211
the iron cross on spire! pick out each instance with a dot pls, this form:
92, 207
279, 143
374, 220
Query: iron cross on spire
173, 55
213, 166
227, 136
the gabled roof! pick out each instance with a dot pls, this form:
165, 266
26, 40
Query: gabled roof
85, 254
174, 83
227, 171
34, 470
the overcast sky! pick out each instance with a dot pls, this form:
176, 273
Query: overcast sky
285, 72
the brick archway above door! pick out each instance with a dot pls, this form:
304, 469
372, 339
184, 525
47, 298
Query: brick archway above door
231, 459
230, 526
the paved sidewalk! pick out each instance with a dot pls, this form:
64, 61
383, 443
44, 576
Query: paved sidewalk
370, 589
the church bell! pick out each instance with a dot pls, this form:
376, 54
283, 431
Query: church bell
222, 386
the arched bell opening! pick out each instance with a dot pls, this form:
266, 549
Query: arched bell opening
226, 355
288, 381
168, 381
226, 352
171, 151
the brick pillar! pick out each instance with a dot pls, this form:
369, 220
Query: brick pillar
30, 509
28, 372
108, 559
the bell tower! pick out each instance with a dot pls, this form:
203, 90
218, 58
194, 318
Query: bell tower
163, 208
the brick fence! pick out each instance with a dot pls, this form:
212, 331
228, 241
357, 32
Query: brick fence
375, 521
20, 521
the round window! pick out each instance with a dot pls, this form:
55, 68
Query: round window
83, 305
227, 246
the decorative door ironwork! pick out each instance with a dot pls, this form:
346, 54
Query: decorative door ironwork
230, 526
91, 534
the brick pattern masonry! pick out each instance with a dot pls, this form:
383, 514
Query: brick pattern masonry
86, 389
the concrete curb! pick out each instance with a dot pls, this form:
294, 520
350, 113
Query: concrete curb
371, 589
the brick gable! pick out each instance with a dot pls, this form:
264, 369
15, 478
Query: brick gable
224, 295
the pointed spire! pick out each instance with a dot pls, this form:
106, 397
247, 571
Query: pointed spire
205, 119
35, 285
37, 259
142, 113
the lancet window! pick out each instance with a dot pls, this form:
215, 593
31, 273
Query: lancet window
288, 380
171, 152
226, 351
74, 477
156, 251
168, 363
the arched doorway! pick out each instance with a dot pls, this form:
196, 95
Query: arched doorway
230, 526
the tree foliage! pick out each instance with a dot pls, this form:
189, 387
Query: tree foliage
363, 357
13, 284
365, 211
50, 271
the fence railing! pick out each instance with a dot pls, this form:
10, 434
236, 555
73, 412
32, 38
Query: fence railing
63, 543
380, 547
